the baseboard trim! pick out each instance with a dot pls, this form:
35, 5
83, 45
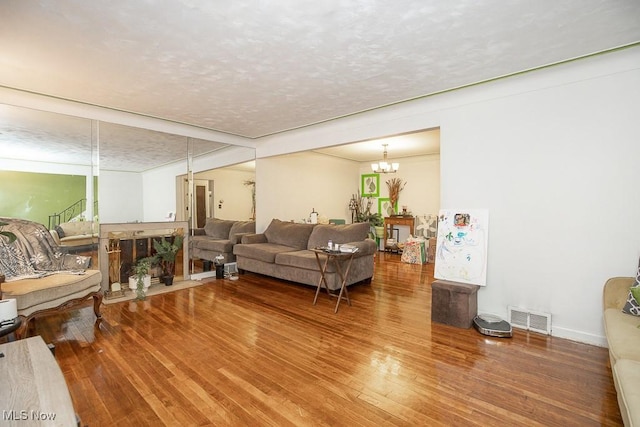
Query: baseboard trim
579, 336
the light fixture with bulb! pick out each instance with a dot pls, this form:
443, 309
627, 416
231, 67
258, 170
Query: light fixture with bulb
384, 166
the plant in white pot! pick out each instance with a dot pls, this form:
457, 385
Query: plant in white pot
166, 251
141, 279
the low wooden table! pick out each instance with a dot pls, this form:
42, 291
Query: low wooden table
338, 258
33, 390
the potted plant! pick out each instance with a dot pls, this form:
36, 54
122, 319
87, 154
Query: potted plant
362, 207
166, 251
141, 280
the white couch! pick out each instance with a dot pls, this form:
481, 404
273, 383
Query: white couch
75, 235
623, 336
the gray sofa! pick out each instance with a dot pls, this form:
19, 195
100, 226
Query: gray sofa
623, 337
283, 251
218, 238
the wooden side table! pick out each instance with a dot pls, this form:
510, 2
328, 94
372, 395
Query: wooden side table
338, 258
390, 221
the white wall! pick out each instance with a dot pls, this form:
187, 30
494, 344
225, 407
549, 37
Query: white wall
120, 197
552, 154
310, 180
159, 195
159, 191
421, 192
288, 187
229, 186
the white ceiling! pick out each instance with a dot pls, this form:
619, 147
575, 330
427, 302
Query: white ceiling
254, 68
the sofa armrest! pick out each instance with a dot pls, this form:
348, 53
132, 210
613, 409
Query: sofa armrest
254, 238
197, 232
616, 291
237, 237
365, 247
55, 236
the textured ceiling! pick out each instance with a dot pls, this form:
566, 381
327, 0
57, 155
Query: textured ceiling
34, 135
254, 68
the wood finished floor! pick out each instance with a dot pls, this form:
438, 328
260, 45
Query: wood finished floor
257, 352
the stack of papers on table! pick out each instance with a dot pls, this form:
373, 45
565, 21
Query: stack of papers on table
348, 249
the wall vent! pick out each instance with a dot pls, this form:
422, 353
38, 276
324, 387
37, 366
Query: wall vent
530, 320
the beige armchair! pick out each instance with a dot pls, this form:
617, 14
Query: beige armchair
41, 278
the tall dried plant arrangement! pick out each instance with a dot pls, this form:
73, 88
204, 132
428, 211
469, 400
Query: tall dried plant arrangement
395, 186
252, 183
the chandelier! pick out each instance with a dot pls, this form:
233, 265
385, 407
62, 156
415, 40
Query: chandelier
384, 166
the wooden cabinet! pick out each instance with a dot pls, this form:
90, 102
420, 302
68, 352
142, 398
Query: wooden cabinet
391, 221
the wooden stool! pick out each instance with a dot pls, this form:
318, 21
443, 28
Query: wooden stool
453, 303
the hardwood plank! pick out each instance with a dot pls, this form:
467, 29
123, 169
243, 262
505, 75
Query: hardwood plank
257, 352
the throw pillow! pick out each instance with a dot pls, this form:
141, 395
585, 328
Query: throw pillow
218, 228
60, 231
290, 234
632, 306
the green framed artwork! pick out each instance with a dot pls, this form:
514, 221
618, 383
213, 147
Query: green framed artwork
385, 208
370, 185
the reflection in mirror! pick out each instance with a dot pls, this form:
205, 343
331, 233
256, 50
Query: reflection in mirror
46, 175
138, 168
226, 193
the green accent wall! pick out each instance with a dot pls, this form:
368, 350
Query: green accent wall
35, 196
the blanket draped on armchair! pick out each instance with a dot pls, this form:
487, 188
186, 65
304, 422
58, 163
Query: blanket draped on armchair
34, 253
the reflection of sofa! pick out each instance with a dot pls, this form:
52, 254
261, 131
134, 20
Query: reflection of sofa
282, 251
623, 336
40, 277
76, 235
218, 238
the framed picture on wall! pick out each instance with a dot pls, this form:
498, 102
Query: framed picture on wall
370, 185
385, 208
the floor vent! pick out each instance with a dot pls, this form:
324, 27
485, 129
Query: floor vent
530, 320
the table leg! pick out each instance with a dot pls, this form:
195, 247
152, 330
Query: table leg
323, 269
343, 281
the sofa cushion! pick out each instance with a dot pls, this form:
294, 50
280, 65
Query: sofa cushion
290, 234
50, 291
626, 375
241, 227
215, 245
348, 233
218, 228
260, 251
304, 259
623, 334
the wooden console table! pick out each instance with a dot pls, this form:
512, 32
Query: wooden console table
142, 232
390, 221
34, 391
